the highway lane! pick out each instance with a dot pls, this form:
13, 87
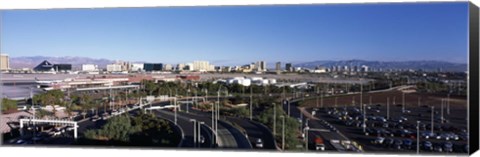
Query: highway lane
228, 136
255, 131
187, 126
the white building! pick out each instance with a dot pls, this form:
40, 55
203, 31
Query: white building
114, 67
89, 67
167, 67
137, 67
203, 66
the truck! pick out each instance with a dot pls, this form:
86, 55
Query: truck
319, 144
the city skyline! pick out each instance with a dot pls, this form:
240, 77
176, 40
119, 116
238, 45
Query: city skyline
243, 34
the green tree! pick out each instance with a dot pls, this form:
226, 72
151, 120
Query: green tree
8, 104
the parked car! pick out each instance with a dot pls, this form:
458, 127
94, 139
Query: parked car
438, 148
448, 147
427, 145
259, 143
407, 143
397, 144
428, 134
388, 142
378, 140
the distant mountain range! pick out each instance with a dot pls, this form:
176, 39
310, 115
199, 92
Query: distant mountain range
30, 62
427, 65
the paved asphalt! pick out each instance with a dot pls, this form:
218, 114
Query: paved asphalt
316, 128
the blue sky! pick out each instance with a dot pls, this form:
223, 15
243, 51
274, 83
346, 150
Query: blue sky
243, 34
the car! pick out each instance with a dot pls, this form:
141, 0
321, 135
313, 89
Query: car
202, 139
428, 134
259, 143
20, 141
427, 145
95, 118
438, 148
407, 143
388, 142
319, 145
448, 147
69, 128
397, 144
378, 140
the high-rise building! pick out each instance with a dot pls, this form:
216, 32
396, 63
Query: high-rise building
288, 67
153, 67
4, 62
261, 66
62, 67
278, 66
137, 67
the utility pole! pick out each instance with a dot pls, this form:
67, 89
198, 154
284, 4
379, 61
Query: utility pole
317, 94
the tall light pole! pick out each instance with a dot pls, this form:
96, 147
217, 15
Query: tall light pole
448, 104
317, 94
388, 108
321, 99
251, 103
403, 102
194, 132
199, 133
361, 97
274, 119
418, 137
283, 132
306, 138
431, 125
176, 108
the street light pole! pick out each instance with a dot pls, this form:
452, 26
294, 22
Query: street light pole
388, 108
418, 137
199, 133
306, 137
441, 110
403, 102
194, 132
251, 102
176, 108
283, 132
274, 120
431, 126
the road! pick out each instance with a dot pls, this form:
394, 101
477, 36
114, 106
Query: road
255, 131
316, 128
228, 136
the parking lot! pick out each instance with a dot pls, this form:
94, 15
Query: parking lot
398, 132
